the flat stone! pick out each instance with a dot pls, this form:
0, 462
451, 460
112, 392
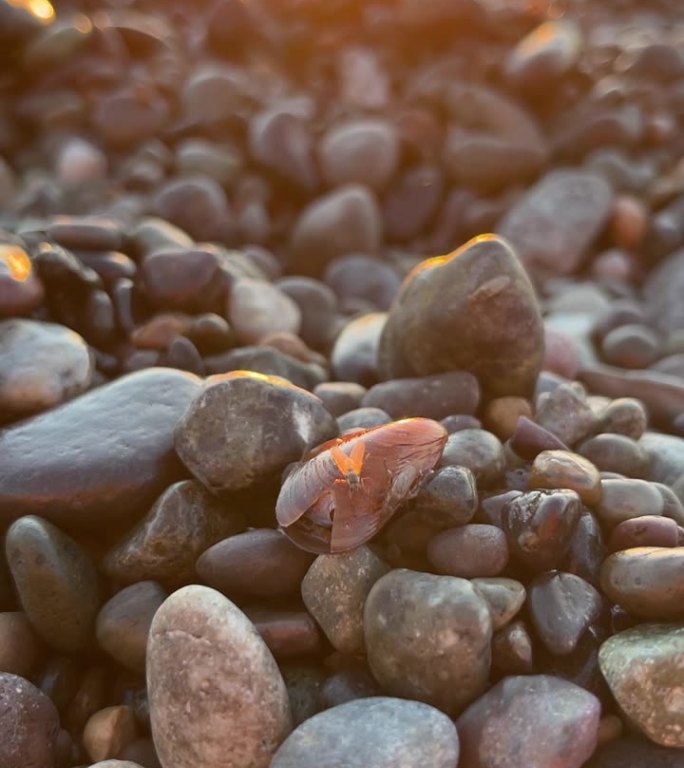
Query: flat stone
199, 639
43, 365
244, 427
262, 562
535, 721
646, 581
644, 667
380, 731
554, 224
56, 582
334, 592
165, 543
472, 310
29, 724
123, 623
428, 638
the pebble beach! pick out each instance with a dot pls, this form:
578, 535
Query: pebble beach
341, 384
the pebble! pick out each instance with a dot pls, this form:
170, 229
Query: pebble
354, 356
317, 306
363, 279
571, 207
662, 290
115, 764
644, 669
104, 453
243, 427
501, 415
616, 453
340, 397
535, 721
29, 724
411, 202
646, 581
165, 543
259, 563
20, 648
344, 221
469, 551
198, 637
445, 319
624, 416
362, 418
565, 412
563, 469
380, 731
21, 290
257, 309
630, 346
624, 499
362, 151
505, 597
287, 634
529, 439
587, 550
428, 638
198, 205
56, 582
433, 397
539, 526
43, 365
123, 624
512, 651
334, 592
644, 531
109, 731
479, 451
220, 162
561, 607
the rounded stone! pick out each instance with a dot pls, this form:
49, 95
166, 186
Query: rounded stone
108, 732
646, 581
501, 415
644, 668
479, 451
565, 412
115, 764
428, 638
21, 290
123, 623
630, 346
43, 364
29, 724
645, 531
344, 221
198, 205
334, 592
262, 562
473, 310
20, 649
624, 498
364, 151
378, 731
469, 551
563, 469
355, 352
359, 280
244, 427
214, 688
616, 453
56, 582
534, 721
257, 309
505, 597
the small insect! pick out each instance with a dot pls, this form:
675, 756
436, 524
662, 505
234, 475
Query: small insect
350, 465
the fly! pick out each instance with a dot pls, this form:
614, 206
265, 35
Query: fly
350, 465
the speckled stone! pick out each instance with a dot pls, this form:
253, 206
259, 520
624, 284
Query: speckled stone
379, 731
644, 667
214, 688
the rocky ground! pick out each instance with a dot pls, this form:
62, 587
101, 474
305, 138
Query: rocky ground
277, 489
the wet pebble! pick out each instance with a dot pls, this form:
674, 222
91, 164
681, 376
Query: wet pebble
534, 721
378, 731
334, 591
21, 290
43, 365
123, 624
624, 499
56, 582
261, 562
164, 544
643, 667
287, 633
29, 724
428, 638
644, 531
198, 637
563, 469
469, 551
243, 427
478, 450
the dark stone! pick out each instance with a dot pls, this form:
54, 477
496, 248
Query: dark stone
587, 550
304, 685
380, 731
412, 202
473, 310
242, 428
261, 562
469, 551
104, 456
478, 450
197, 205
287, 633
340, 397
540, 525
616, 453
56, 582
182, 523
644, 531
362, 278
354, 356
535, 721
183, 354
362, 418
86, 234
512, 652
530, 439
318, 306
561, 607
354, 682
633, 752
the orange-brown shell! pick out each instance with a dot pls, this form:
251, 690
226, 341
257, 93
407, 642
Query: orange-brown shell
323, 513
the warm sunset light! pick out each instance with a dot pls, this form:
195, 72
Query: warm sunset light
40, 9
18, 263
